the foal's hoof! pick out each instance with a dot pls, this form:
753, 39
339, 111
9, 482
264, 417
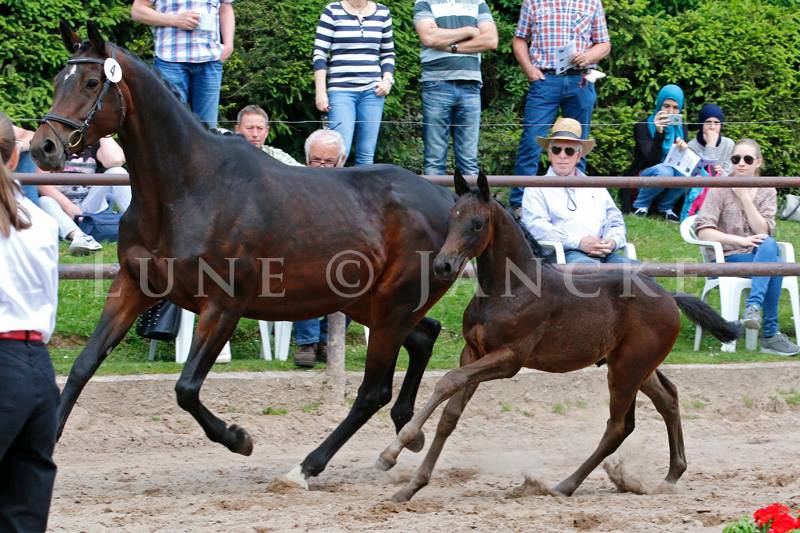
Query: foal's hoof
403, 495
385, 462
418, 443
562, 490
242, 443
296, 477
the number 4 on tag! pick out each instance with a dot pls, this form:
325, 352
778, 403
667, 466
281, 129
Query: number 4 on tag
112, 69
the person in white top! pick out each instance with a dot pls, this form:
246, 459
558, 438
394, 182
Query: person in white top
585, 220
29, 396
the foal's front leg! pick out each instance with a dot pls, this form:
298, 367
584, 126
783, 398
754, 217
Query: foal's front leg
497, 364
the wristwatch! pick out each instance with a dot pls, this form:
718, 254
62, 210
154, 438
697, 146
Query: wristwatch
454, 48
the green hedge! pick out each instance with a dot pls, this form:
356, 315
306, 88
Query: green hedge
741, 54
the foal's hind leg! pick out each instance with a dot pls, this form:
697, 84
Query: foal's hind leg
664, 396
419, 345
214, 328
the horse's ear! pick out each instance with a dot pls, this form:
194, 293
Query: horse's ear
462, 187
70, 38
483, 186
96, 40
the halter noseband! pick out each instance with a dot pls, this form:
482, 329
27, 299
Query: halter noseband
76, 136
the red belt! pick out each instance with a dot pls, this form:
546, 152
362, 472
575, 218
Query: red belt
21, 335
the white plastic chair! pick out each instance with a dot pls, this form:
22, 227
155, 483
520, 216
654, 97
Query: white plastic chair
282, 330
630, 250
730, 288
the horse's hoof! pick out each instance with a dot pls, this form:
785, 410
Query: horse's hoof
562, 490
418, 443
403, 495
385, 462
242, 443
296, 477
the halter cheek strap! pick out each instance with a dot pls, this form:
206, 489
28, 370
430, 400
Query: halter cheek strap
76, 136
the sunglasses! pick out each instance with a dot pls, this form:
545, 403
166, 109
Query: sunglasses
570, 151
748, 159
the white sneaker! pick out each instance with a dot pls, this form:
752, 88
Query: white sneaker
83, 244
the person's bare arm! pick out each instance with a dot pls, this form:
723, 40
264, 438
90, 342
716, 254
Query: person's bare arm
485, 40
24, 137
227, 29
711, 234
433, 36
142, 11
63, 202
523, 56
591, 56
110, 154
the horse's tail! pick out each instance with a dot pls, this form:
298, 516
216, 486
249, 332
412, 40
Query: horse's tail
701, 313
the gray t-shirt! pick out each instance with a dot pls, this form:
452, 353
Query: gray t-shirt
721, 153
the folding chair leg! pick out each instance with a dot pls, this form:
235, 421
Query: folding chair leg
151, 356
729, 298
266, 347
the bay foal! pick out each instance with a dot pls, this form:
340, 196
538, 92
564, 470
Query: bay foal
568, 323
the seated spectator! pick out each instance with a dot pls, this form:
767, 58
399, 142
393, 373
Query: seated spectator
654, 140
324, 148
65, 202
252, 123
585, 220
712, 147
743, 220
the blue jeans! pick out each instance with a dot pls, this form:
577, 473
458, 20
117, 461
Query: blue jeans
545, 98
357, 113
647, 195
26, 165
451, 105
765, 290
313, 331
198, 85
576, 256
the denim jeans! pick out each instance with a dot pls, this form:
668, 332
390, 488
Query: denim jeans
26, 165
451, 105
314, 330
647, 195
577, 256
198, 85
765, 291
545, 98
359, 114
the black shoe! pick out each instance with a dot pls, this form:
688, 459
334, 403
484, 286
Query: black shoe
322, 352
640, 212
670, 216
305, 356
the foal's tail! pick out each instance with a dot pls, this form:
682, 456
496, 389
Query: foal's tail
701, 313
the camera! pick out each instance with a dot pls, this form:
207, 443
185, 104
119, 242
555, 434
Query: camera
675, 120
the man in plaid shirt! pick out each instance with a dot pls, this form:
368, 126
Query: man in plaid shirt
544, 26
192, 39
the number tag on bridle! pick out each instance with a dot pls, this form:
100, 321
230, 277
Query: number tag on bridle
112, 69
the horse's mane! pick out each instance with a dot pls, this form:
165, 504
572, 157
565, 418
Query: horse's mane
534, 245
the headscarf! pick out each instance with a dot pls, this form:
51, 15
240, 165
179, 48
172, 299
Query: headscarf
706, 112
673, 131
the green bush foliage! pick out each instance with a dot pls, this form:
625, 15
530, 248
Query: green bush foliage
741, 54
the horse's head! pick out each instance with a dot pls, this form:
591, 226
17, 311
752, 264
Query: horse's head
85, 106
470, 227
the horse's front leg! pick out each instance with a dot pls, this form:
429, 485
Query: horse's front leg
214, 328
125, 301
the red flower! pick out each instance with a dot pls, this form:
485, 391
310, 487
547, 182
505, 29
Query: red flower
770, 512
783, 524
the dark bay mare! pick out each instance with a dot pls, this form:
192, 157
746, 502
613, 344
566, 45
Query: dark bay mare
568, 323
220, 228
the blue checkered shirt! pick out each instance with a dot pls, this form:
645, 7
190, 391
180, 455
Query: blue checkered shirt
181, 46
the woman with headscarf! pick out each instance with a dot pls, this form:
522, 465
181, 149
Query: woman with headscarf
654, 140
28, 393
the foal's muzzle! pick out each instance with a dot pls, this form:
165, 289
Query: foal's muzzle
446, 268
48, 154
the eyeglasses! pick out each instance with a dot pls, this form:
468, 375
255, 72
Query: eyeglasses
748, 159
570, 151
326, 163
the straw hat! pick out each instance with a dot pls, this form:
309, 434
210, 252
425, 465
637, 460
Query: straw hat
566, 129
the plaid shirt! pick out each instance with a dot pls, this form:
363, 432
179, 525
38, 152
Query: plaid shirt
181, 46
551, 24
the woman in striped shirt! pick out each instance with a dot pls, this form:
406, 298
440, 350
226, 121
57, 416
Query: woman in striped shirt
354, 71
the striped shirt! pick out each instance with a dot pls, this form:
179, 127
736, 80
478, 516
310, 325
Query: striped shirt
201, 45
438, 65
355, 52
552, 24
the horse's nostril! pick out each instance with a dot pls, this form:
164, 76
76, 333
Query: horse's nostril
49, 147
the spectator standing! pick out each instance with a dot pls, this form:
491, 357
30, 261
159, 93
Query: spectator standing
743, 220
354, 71
585, 220
544, 26
192, 40
453, 35
28, 391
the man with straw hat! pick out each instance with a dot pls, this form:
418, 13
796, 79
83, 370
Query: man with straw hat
585, 220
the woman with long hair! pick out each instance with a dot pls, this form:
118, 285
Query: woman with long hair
743, 220
28, 393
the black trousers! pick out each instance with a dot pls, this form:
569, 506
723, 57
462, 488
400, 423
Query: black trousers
28, 415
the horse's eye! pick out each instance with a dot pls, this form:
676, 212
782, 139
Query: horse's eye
477, 224
91, 83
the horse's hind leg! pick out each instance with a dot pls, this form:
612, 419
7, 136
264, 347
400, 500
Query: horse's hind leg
664, 396
419, 344
214, 328
123, 304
